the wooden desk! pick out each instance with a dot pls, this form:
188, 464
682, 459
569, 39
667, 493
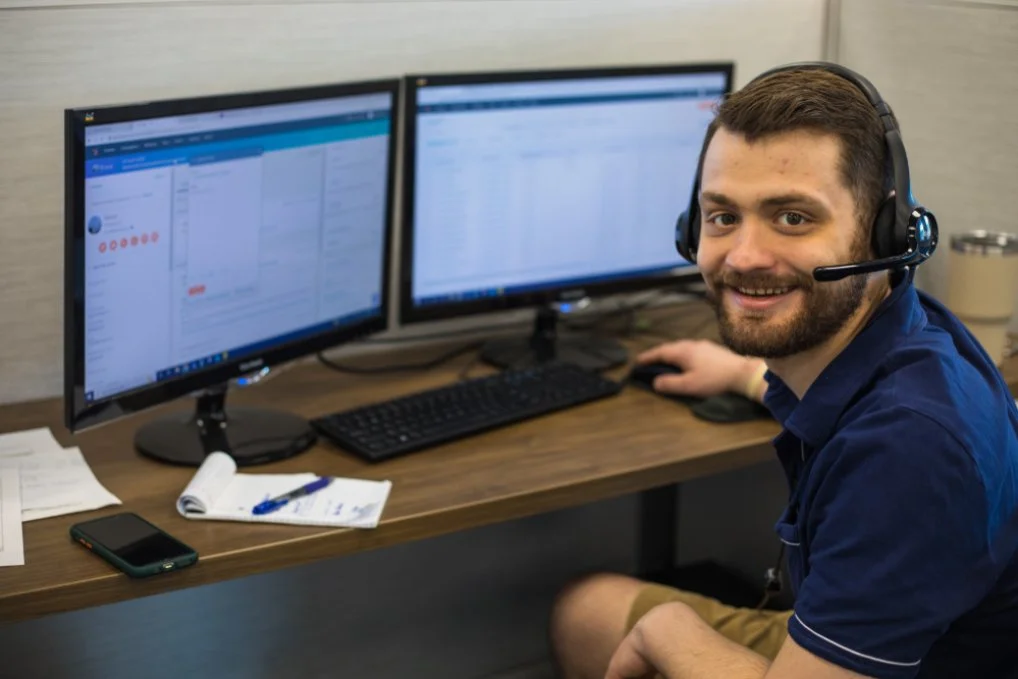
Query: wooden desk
633, 442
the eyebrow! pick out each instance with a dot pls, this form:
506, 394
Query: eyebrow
782, 200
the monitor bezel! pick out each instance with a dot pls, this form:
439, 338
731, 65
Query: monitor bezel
410, 313
78, 414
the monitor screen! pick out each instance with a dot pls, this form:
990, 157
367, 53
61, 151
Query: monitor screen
535, 187
211, 242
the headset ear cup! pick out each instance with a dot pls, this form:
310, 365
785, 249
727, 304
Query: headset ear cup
887, 242
686, 235
680, 236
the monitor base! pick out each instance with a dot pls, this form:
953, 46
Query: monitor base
250, 436
544, 344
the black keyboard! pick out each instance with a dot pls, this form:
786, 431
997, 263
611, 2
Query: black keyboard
384, 430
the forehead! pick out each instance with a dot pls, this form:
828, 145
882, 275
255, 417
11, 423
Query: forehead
802, 160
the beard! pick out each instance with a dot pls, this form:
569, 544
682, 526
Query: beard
824, 310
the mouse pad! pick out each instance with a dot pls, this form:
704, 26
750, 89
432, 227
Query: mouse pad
724, 408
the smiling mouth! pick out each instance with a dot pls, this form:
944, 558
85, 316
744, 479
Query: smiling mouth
763, 292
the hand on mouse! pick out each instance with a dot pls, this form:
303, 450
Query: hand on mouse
708, 369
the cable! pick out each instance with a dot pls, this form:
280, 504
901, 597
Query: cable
464, 373
399, 367
591, 321
772, 579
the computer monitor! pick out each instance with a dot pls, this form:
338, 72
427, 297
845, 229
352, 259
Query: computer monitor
540, 188
209, 238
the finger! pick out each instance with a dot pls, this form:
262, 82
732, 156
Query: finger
670, 352
627, 663
673, 384
650, 355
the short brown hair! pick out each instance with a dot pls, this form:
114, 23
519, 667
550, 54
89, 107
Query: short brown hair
818, 100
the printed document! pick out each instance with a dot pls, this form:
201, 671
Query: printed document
54, 480
12, 546
54, 484
22, 444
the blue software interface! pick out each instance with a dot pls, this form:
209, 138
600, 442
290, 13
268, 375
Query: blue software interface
527, 185
215, 235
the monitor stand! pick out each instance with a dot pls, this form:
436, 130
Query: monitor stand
545, 344
249, 435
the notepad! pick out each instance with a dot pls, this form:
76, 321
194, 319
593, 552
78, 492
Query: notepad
218, 492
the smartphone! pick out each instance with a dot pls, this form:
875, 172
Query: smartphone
133, 545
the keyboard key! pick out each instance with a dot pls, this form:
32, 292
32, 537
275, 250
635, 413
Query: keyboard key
466, 408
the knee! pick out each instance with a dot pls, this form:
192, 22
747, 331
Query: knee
581, 598
592, 608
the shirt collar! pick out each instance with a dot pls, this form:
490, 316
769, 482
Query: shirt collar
814, 418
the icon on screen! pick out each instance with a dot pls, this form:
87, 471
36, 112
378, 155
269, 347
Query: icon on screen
95, 224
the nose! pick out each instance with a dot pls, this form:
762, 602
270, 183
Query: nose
751, 249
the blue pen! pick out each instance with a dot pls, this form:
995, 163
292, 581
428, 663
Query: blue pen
275, 503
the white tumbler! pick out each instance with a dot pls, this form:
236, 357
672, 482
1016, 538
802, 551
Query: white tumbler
983, 285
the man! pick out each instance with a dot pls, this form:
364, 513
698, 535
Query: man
899, 435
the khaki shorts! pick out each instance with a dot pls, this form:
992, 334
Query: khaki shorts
760, 631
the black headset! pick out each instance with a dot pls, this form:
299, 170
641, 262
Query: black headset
904, 232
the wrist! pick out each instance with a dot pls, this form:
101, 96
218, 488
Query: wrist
753, 384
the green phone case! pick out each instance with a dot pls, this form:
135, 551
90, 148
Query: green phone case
79, 533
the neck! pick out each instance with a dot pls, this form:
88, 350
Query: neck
800, 371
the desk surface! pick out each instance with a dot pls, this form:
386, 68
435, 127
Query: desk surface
628, 443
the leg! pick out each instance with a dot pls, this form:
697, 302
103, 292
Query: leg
759, 631
592, 616
589, 621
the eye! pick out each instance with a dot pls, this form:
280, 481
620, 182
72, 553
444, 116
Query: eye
722, 219
793, 219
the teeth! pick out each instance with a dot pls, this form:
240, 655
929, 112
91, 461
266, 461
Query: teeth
762, 292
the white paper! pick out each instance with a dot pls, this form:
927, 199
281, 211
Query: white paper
12, 546
27, 443
58, 483
213, 476
218, 492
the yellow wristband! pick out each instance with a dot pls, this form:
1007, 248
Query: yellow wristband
752, 389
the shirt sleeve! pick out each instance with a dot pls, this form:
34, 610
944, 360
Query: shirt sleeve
897, 544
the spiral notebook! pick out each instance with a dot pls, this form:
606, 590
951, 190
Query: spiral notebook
217, 492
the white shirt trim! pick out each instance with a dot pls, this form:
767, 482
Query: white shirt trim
790, 544
855, 653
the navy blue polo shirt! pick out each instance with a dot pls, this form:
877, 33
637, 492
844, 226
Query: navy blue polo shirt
902, 526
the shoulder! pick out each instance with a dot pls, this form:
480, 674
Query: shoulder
926, 397
922, 471
885, 443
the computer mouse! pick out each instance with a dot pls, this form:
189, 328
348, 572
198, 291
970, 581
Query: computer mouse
643, 376
728, 407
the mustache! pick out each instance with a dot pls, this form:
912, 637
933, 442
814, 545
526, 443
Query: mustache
735, 279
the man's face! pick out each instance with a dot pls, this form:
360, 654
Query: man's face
771, 212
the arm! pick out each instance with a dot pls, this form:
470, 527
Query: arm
708, 369
674, 642
899, 550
